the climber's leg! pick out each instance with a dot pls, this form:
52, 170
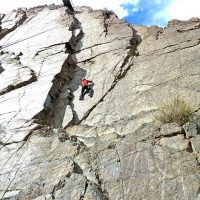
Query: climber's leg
91, 92
68, 4
83, 92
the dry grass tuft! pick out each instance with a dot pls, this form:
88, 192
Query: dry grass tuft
174, 110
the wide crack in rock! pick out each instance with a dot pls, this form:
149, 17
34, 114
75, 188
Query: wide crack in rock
50, 66
61, 80
88, 56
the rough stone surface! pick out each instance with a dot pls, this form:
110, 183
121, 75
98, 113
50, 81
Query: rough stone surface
196, 144
170, 129
177, 142
191, 129
53, 146
27, 81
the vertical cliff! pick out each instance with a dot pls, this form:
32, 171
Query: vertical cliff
53, 146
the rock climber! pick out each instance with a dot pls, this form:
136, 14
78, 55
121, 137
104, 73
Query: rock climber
87, 87
68, 4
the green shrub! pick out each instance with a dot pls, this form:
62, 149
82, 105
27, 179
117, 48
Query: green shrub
174, 110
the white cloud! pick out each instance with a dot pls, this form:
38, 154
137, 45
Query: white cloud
184, 9
171, 9
114, 5
179, 9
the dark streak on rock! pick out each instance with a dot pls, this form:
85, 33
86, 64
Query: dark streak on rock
20, 85
4, 32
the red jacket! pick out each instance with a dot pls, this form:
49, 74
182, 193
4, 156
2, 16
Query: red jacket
85, 82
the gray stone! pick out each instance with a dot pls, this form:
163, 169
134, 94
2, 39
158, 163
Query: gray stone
46, 162
10, 194
177, 142
194, 19
196, 144
170, 129
27, 81
139, 170
53, 146
191, 130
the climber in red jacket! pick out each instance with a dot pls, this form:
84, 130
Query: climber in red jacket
87, 87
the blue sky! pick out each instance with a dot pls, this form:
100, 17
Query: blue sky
159, 12
145, 12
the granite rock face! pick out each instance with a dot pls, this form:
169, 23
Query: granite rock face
53, 146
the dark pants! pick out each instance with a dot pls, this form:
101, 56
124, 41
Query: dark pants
68, 4
86, 89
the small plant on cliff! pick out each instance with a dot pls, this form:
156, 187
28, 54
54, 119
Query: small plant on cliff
175, 110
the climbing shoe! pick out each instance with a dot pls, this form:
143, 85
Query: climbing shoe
81, 98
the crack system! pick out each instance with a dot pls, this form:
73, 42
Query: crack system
20, 85
61, 78
4, 32
64, 77
120, 75
183, 132
47, 116
95, 186
124, 68
128, 60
